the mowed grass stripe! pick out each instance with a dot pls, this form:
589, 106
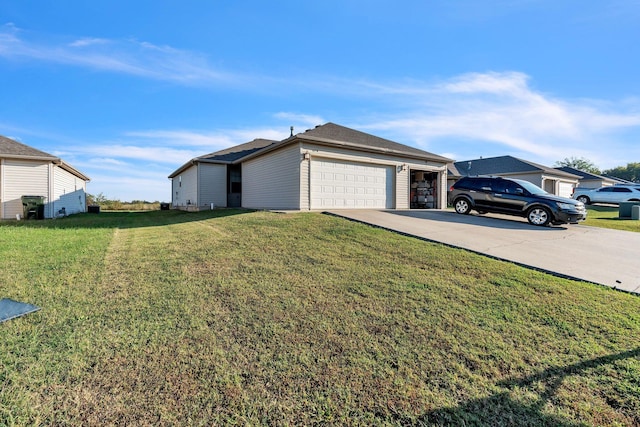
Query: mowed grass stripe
260, 318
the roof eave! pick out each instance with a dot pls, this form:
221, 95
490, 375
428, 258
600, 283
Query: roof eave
71, 169
334, 142
195, 161
25, 157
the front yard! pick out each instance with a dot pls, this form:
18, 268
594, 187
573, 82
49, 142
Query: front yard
607, 217
236, 317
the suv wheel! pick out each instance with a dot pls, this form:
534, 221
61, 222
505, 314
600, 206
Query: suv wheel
462, 206
539, 216
583, 199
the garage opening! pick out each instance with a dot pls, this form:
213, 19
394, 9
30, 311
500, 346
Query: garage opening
424, 187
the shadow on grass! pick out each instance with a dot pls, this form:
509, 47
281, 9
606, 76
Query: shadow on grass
501, 409
125, 219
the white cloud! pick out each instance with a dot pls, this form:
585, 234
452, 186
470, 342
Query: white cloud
120, 153
88, 41
305, 120
503, 110
122, 56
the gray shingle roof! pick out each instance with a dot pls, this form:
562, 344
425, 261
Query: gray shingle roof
504, 165
583, 174
12, 148
340, 135
239, 151
329, 133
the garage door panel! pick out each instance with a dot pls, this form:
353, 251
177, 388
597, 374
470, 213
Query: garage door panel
565, 189
340, 184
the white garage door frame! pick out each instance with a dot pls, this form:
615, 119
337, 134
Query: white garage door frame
342, 184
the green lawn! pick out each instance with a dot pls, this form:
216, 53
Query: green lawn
607, 217
256, 318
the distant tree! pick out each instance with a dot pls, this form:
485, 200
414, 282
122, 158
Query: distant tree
580, 164
631, 172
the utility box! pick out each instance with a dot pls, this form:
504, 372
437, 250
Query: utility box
624, 209
33, 207
635, 212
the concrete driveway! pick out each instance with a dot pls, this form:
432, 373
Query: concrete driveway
597, 255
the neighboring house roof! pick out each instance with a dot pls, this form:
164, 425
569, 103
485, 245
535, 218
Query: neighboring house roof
327, 134
503, 165
228, 155
585, 175
12, 149
620, 180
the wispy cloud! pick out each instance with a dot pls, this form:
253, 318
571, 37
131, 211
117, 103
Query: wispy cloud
128, 56
503, 110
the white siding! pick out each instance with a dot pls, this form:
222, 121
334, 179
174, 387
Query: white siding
272, 181
22, 178
185, 188
68, 193
212, 180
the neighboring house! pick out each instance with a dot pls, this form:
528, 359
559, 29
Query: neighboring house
25, 171
620, 181
328, 167
587, 179
552, 180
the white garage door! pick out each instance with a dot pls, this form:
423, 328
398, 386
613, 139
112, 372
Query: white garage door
565, 189
341, 184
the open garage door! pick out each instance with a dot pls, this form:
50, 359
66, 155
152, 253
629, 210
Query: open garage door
343, 184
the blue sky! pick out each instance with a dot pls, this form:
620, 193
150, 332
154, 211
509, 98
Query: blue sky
127, 91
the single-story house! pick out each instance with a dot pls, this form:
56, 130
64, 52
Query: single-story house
26, 171
552, 180
328, 167
587, 179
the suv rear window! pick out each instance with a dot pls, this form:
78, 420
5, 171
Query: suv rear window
473, 183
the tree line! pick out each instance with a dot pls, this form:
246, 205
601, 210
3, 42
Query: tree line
631, 172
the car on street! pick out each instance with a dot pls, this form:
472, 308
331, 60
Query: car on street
514, 197
613, 194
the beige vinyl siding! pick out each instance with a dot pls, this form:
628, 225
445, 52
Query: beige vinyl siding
212, 180
22, 178
402, 185
272, 181
68, 192
185, 188
534, 178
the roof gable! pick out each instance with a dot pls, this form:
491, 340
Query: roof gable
329, 134
334, 134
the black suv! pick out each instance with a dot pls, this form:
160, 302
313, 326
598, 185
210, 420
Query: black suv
514, 197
